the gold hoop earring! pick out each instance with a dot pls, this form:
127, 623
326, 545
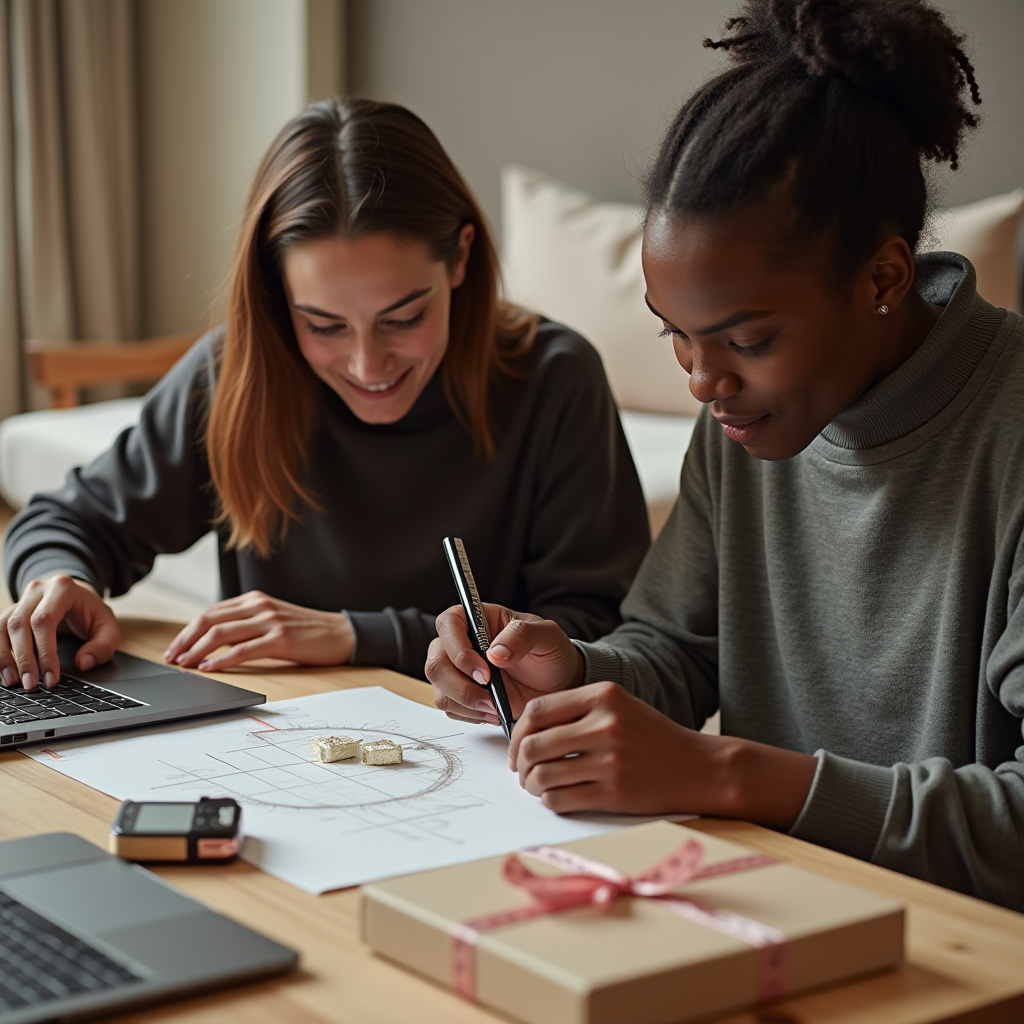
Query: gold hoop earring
882, 309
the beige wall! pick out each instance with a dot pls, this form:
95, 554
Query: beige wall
582, 89
217, 79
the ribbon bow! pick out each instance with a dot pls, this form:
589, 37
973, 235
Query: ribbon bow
599, 885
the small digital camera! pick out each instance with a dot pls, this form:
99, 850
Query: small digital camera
206, 831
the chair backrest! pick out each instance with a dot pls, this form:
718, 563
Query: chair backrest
65, 367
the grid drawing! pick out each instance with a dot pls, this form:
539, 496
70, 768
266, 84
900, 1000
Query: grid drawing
274, 769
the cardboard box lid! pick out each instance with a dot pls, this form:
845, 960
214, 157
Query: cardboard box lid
583, 949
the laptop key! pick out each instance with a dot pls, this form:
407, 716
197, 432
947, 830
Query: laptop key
40, 962
99, 691
70, 709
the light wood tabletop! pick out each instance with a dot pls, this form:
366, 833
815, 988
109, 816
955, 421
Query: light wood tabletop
965, 958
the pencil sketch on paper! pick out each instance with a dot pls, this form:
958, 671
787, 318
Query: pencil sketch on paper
274, 769
327, 825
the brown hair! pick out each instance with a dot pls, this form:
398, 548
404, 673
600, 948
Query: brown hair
349, 167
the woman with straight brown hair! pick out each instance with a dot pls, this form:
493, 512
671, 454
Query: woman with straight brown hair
369, 394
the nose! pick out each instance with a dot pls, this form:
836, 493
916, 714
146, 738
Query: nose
368, 361
710, 381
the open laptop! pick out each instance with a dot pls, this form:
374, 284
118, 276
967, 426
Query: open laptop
85, 933
126, 691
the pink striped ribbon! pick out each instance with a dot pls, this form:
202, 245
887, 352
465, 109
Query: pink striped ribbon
590, 882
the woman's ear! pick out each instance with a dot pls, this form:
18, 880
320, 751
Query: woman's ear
457, 274
892, 274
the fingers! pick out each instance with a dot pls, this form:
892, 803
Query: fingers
462, 714
451, 630
584, 796
9, 674
570, 771
453, 691
58, 596
245, 606
522, 636
103, 640
19, 635
543, 714
260, 646
226, 634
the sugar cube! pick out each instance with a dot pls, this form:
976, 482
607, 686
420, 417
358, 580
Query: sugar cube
382, 752
332, 748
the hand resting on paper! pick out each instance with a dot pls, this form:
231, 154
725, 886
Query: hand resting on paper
597, 747
29, 628
256, 625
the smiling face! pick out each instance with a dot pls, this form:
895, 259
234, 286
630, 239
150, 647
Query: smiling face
777, 351
371, 316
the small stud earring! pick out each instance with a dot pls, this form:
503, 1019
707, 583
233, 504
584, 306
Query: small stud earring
882, 309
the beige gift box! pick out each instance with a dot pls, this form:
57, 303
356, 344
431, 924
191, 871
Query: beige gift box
640, 961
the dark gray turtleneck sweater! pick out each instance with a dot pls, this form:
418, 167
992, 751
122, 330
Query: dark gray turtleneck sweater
555, 523
863, 601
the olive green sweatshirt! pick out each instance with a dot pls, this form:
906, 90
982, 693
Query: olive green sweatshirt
863, 602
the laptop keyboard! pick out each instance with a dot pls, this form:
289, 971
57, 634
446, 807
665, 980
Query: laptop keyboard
41, 962
69, 697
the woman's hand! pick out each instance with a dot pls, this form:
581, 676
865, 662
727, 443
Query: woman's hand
257, 626
535, 657
28, 631
597, 748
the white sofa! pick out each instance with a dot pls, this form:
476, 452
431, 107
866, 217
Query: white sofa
37, 450
564, 253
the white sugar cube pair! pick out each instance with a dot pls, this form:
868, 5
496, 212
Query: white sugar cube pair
341, 748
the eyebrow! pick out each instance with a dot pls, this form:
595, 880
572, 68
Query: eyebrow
411, 297
740, 317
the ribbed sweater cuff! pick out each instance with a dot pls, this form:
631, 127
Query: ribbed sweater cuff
376, 639
53, 563
847, 805
601, 662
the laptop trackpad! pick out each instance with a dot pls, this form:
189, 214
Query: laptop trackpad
102, 896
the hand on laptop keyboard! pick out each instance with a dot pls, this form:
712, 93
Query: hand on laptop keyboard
28, 632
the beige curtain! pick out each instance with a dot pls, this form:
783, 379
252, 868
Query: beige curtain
69, 248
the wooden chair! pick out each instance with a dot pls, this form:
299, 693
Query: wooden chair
64, 367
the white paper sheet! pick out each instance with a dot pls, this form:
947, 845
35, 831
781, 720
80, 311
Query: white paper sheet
327, 826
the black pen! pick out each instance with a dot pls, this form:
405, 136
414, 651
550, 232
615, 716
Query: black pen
476, 623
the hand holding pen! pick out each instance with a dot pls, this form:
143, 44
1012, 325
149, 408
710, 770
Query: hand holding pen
534, 655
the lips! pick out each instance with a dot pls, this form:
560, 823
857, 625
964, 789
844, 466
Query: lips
743, 428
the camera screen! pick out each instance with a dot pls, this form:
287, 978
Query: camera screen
171, 818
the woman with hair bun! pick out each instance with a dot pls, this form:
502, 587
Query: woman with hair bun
843, 573
369, 394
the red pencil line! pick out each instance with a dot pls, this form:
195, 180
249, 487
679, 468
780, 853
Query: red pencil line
52, 754
266, 725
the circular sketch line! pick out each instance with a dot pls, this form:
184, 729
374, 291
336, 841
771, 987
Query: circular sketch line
447, 770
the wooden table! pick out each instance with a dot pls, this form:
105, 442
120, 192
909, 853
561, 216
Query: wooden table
965, 958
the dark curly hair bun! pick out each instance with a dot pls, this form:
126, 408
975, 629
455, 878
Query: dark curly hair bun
838, 101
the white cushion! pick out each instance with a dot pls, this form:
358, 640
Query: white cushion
658, 444
37, 449
577, 261
987, 233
